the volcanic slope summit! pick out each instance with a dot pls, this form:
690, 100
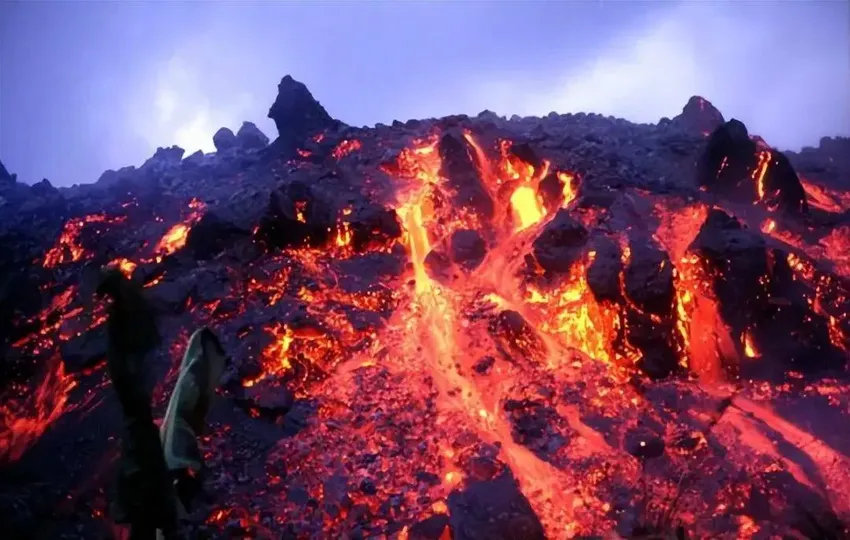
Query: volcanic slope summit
465, 327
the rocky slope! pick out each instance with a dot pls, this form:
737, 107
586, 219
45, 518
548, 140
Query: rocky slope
483, 327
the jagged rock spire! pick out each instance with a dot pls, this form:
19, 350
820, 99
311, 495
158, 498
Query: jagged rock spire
297, 114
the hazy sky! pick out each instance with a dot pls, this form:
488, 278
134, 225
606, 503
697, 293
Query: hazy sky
86, 86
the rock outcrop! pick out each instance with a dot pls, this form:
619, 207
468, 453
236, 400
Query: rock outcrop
297, 115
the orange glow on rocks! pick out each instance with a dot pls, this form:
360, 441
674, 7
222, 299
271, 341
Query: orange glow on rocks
126, 266
175, 238
345, 147
24, 419
760, 171
531, 331
67, 248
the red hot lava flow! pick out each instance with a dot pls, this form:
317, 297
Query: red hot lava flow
526, 341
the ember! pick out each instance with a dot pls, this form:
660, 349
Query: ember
494, 333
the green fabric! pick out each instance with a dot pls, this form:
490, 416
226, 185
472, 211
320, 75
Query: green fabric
186, 416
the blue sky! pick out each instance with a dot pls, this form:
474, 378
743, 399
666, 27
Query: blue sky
86, 86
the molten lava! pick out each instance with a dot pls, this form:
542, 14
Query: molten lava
526, 206
345, 147
472, 357
175, 238
67, 248
24, 418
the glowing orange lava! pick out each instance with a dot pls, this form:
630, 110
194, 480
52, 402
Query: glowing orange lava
175, 238
750, 350
345, 147
67, 248
760, 171
126, 266
24, 419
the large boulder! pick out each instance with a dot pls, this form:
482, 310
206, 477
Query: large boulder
251, 138
224, 140
297, 115
739, 258
561, 243
493, 510
761, 299
603, 274
297, 214
736, 166
459, 169
310, 214
728, 159
212, 235
166, 156
699, 116
162, 167
648, 278
468, 248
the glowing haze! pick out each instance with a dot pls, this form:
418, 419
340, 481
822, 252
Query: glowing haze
90, 86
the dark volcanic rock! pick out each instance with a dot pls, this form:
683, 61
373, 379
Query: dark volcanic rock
163, 157
643, 443
515, 334
171, 295
458, 167
303, 214
268, 399
659, 360
372, 226
85, 350
782, 180
603, 274
532, 425
493, 510
526, 153
759, 296
483, 468
44, 189
432, 528
561, 243
829, 163
468, 248
224, 140
438, 265
733, 165
296, 114
649, 278
484, 365
250, 137
211, 235
551, 190
699, 116
5, 177
296, 215
728, 159
739, 258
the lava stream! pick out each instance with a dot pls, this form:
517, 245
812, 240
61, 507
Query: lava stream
433, 335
